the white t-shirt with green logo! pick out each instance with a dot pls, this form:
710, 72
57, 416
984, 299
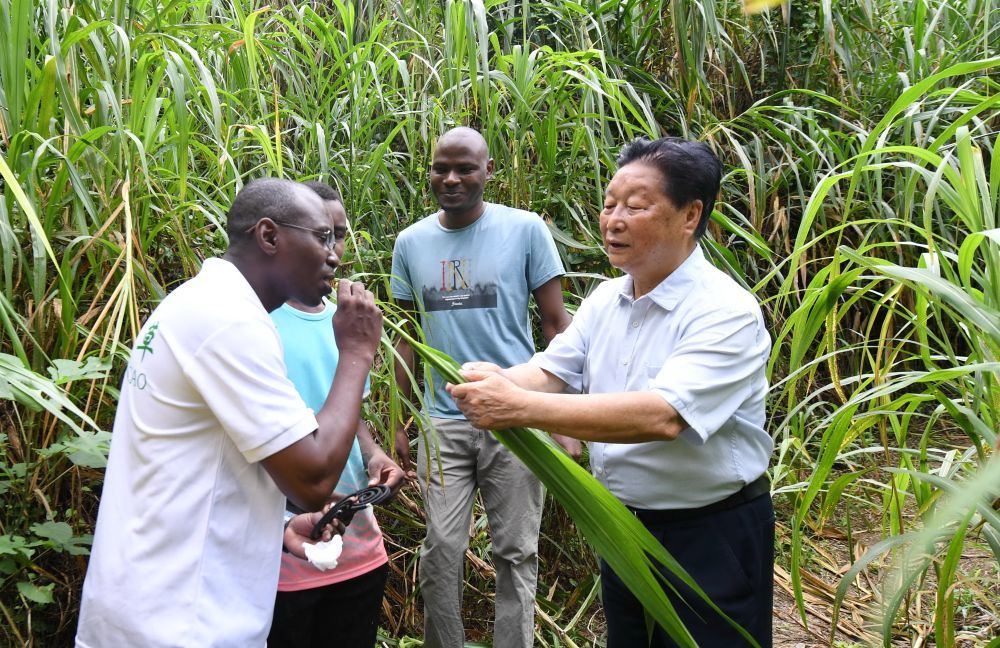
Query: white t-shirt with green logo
188, 536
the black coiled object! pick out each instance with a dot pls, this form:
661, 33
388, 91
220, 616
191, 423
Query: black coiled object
345, 509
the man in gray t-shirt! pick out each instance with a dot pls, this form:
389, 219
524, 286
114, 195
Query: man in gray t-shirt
469, 270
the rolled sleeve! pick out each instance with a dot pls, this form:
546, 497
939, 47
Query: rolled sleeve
711, 373
566, 356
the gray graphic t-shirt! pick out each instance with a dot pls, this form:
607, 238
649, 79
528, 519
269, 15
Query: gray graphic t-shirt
472, 286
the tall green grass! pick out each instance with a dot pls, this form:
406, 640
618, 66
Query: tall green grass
860, 204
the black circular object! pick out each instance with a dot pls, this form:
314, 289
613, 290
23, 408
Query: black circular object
345, 509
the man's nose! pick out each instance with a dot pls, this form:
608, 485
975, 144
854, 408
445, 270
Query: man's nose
451, 178
616, 219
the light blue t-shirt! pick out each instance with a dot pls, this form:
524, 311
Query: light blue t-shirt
311, 357
472, 287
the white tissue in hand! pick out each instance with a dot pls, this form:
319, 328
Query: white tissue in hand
324, 555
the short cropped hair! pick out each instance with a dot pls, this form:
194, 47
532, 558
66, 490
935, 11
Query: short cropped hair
272, 198
690, 168
324, 191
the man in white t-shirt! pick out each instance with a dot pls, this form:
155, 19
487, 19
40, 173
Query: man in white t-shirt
210, 437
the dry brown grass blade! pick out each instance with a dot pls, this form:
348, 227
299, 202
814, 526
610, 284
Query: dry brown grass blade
818, 595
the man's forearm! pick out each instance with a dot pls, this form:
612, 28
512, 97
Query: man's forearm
308, 470
369, 446
629, 417
405, 369
528, 376
553, 327
340, 416
553, 316
523, 396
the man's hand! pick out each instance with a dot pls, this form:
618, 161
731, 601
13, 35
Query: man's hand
357, 324
299, 530
401, 444
489, 400
482, 367
383, 471
569, 444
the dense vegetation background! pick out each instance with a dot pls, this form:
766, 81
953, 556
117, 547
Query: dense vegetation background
860, 205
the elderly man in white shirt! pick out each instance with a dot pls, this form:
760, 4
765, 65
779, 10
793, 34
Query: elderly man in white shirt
665, 369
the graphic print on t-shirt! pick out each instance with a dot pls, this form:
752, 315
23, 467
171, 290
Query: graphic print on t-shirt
459, 288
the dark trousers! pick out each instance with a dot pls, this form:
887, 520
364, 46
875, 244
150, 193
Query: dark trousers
343, 614
730, 554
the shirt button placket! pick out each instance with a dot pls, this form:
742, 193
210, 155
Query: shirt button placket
631, 335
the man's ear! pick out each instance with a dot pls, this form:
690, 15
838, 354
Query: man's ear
692, 215
489, 168
266, 235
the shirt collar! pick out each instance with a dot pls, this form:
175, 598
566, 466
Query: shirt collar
669, 292
217, 266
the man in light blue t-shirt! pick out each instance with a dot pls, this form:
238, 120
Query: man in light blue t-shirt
349, 597
469, 271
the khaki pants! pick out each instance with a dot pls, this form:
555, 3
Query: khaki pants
513, 497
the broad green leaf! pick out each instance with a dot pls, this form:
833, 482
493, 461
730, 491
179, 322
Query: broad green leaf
63, 371
59, 533
35, 593
15, 545
39, 393
6, 393
86, 449
616, 534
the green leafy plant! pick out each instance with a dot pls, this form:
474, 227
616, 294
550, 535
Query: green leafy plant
615, 533
859, 204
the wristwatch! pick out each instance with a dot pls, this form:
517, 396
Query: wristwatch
288, 518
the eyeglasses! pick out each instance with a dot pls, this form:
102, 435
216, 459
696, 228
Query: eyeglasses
326, 236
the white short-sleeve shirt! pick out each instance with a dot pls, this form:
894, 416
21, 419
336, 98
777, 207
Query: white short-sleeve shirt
699, 341
188, 536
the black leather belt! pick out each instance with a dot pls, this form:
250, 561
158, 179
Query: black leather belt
748, 493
